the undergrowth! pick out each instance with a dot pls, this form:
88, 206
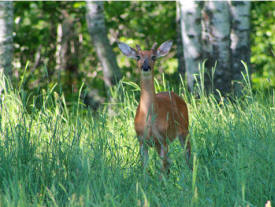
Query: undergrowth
54, 156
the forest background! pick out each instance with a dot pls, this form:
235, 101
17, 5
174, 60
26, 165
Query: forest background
52, 44
63, 56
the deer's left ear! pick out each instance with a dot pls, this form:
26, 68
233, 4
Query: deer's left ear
127, 50
164, 48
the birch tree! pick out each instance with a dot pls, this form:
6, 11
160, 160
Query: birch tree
191, 36
180, 55
216, 38
240, 47
6, 40
97, 30
224, 31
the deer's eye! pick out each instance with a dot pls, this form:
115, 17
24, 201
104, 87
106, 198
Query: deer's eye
138, 57
154, 58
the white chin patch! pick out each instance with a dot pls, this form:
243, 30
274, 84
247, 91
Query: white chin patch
146, 74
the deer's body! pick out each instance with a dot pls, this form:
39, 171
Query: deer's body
162, 117
166, 117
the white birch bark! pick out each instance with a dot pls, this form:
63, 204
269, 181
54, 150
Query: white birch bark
6, 46
240, 46
180, 54
191, 36
216, 39
207, 47
6, 40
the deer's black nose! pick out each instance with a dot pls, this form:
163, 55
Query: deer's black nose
146, 66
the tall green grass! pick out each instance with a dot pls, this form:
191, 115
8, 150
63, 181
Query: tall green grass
54, 156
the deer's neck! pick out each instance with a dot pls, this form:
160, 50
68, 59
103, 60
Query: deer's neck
147, 97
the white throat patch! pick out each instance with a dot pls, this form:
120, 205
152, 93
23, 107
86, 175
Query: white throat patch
146, 74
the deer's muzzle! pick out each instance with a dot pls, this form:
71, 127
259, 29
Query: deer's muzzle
145, 66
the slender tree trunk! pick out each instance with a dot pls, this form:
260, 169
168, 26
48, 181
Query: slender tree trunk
180, 54
207, 48
191, 36
67, 48
240, 47
64, 35
216, 42
6, 40
97, 30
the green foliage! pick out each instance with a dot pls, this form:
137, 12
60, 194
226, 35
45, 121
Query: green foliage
133, 22
53, 156
36, 26
263, 44
142, 23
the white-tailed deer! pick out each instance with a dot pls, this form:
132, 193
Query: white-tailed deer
161, 117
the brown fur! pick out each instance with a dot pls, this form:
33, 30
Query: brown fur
159, 117
162, 117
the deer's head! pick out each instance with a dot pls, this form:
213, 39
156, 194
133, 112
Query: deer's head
146, 58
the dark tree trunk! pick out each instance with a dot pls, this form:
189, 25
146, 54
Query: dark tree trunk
240, 47
67, 51
97, 30
64, 35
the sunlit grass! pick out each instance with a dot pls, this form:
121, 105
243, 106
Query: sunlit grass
54, 156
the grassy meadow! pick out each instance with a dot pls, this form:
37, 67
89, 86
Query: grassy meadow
51, 155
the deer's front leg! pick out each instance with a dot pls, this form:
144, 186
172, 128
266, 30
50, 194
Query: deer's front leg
163, 151
144, 153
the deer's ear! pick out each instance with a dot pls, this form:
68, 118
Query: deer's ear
127, 50
164, 48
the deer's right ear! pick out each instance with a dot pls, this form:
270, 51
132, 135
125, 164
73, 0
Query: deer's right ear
164, 48
127, 50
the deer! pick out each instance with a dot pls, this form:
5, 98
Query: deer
160, 117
